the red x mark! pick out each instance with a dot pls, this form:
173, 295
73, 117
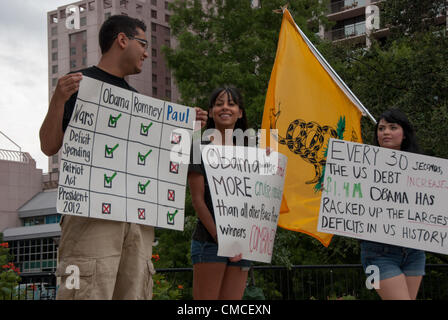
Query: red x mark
174, 167
106, 208
141, 213
175, 138
171, 195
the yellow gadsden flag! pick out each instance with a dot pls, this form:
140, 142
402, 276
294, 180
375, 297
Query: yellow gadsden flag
308, 104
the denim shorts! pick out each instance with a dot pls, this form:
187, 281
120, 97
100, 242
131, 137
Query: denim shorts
208, 252
392, 260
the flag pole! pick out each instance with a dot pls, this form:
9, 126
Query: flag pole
333, 74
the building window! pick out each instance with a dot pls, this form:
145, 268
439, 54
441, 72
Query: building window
54, 31
168, 43
54, 56
154, 2
54, 82
154, 91
73, 64
92, 6
34, 255
154, 65
54, 18
154, 78
168, 94
107, 4
84, 61
168, 81
62, 14
73, 51
52, 219
54, 69
153, 27
82, 7
83, 21
154, 14
154, 52
84, 48
124, 4
167, 18
167, 5
153, 40
54, 43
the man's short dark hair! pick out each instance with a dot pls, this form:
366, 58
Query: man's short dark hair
116, 24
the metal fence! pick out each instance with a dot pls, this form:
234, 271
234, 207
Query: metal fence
300, 282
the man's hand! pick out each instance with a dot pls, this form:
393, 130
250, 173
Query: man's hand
201, 115
51, 134
67, 85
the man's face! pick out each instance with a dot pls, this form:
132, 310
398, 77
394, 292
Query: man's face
137, 51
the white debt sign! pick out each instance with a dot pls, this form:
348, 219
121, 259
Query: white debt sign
125, 157
385, 195
246, 187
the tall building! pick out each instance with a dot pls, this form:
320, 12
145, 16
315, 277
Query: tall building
350, 22
75, 49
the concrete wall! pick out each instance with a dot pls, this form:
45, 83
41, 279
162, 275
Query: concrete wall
19, 182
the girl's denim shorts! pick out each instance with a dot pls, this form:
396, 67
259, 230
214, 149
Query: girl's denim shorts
208, 252
392, 260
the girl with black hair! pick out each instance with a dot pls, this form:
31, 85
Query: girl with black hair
215, 277
400, 269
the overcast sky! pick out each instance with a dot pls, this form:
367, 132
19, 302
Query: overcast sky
24, 73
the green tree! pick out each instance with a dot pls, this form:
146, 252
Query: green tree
9, 274
229, 42
405, 17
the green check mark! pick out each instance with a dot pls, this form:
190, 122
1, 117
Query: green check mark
143, 157
111, 150
172, 215
142, 187
113, 120
144, 128
109, 179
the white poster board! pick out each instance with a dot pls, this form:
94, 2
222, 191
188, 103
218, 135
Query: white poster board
117, 161
384, 195
246, 187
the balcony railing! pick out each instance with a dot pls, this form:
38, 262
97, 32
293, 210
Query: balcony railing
17, 156
343, 5
351, 30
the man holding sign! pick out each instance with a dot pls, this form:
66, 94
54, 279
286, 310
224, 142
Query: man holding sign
112, 258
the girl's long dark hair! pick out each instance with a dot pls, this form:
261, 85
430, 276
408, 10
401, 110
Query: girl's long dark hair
409, 142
